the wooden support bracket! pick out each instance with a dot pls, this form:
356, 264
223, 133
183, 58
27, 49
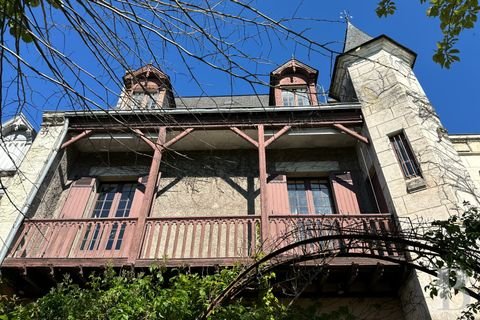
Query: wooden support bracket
351, 132
177, 138
72, 140
142, 136
244, 136
277, 135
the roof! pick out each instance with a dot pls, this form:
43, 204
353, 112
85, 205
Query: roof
354, 37
294, 63
17, 123
215, 102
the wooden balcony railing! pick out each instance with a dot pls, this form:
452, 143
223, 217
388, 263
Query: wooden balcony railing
74, 238
335, 229
220, 239
201, 237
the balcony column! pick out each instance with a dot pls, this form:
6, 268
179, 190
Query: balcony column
262, 168
150, 189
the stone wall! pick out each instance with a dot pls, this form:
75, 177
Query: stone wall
226, 183
394, 102
468, 148
25, 180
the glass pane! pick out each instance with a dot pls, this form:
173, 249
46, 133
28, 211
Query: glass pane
120, 236
104, 201
152, 100
302, 97
127, 192
111, 237
137, 99
288, 98
405, 156
322, 200
297, 197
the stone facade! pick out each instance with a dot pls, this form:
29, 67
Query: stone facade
393, 102
25, 184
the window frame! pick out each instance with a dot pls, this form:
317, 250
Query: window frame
307, 183
294, 90
146, 99
405, 156
116, 200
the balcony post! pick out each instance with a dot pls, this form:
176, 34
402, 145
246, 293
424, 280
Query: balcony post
262, 168
150, 189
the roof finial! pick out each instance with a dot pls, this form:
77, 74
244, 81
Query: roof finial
345, 15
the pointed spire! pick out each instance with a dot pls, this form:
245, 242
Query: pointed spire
354, 37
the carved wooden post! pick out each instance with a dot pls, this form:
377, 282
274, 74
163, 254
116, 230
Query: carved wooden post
262, 167
150, 189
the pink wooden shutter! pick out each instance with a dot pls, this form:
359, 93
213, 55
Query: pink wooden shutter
278, 194
77, 199
138, 197
344, 192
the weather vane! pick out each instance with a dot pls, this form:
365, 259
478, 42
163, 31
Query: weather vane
345, 15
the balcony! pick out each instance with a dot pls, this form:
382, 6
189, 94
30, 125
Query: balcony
195, 241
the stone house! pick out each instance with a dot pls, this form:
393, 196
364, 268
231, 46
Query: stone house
207, 181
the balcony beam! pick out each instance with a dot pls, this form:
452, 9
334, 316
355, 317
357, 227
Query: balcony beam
78, 137
351, 132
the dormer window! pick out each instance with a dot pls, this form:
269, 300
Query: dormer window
295, 96
293, 84
146, 88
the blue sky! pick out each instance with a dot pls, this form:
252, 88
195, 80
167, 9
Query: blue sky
452, 92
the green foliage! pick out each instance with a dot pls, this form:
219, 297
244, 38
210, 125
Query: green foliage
458, 239
152, 296
454, 15
12, 13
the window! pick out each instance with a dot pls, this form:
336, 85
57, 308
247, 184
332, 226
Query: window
152, 99
114, 200
408, 163
144, 100
309, 196
295, 96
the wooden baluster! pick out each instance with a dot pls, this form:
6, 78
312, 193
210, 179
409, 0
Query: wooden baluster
219, 237
67, 241
54, 241
175, 239
186, 225
227, 239
149, 231
160, 225
202, 237
235, 237
104, 234
210, 233
128, 238
167, 239
192, 245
